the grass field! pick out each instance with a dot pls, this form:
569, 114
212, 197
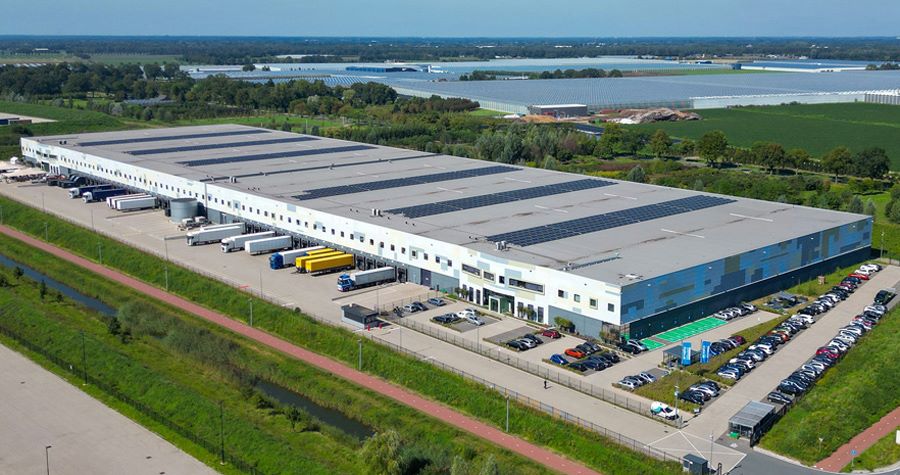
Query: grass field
486, 113
116, 59
852, 396
884, 453
817, 128
474, 399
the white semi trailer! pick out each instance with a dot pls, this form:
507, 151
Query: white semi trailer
217, 234
235, 243
269, 244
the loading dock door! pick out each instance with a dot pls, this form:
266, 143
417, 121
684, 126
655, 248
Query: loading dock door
426, 278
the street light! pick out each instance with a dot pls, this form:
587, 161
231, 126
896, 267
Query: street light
882, 244
710, 448
676, 407
221, 434
47, 457
251, 310
507, 413
83, 358
46, 231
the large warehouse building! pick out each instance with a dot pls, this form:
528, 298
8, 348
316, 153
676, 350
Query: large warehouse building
604, 254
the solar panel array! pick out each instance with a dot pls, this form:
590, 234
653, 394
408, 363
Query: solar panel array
614, 219
273, 155
213, 146
162, 138
430, 209
329, 166
398, 182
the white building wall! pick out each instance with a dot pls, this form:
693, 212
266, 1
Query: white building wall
596, 300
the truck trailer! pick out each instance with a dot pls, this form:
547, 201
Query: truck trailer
100, 195
269, 244
217, 234
366, 278
77, 191
210, 227
235, 243
136, 203
280, 260
325, 265
300, 262
111, 201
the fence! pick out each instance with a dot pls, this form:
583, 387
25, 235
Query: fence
494, 352
532, 403
616, 399
77, 370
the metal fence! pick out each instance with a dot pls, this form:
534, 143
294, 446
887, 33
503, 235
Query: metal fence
210, 446
543, 407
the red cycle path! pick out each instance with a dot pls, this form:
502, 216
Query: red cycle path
403, 396
842, 456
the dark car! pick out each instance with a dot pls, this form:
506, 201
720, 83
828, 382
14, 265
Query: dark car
884, 296
517, 344
629, 348
596, 364
778, 397
610, 356
579, 366
446, 319
695, 397
585, 348
558, 359
529, 336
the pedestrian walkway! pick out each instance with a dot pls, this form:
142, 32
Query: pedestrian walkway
842, 456
443, 413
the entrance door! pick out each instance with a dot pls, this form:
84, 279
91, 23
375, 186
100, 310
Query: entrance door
494, 304
426, 278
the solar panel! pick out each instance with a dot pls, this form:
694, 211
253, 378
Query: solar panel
333, 165
213, 146
273, 155
430, 209
399, 182
162, 138
614, 219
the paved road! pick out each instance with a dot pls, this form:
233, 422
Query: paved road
761, 464
438, 411
87, 437
756, 385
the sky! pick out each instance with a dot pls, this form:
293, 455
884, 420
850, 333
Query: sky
454, 18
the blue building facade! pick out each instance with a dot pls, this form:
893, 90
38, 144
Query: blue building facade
657, 304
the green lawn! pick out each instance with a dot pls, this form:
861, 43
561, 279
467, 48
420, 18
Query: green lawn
883, 453
120, 58
601, 453
817, 128
852, 396
486, 113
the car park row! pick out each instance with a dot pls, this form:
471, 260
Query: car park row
740, 310
587, 356
802, 380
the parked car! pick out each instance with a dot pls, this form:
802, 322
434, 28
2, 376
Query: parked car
884, 296
410, 308
421, 306
628, 384
558, 359
610, 356
629, 348
518, 345
437, 302
470, 318
531, 337
779, 398
446, 319
859, 276
659, 409
695, 397
578, 366
585, 348
574, 353
551, 333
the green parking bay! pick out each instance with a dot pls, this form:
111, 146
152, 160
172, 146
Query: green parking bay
651, 344
689, 330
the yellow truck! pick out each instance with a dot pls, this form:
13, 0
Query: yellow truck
329, 264
298, 263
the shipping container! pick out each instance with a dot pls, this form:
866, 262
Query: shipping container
136, 203
300, 261
329, 264
111, 201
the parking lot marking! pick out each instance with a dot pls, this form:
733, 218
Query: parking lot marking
689, 330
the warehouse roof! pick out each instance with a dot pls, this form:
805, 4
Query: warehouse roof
634, 91
600, 228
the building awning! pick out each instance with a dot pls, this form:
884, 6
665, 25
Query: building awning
751, 415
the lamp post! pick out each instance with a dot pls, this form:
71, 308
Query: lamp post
93, 228
260, 284
507, 413
710, 448
251, 310
47, 457
360, 354
676, 407
882, 244
46, 231
166, 244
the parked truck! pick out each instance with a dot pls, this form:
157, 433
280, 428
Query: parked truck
236, 243
270, 244
77, 191
325, 265
111, 201
191, 223
136, 203
100, 195
213, 234
300, 262
283, 259
366, 278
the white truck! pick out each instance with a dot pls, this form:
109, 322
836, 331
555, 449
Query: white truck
366, 278
112, 200
191, 223
213, 234
136, 203
269, 244
236, 243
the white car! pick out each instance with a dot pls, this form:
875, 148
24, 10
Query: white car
870, 267
663, 410
767, 349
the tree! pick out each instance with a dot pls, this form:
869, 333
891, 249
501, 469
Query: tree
286, 127
712, 147
768, 154
837, 161
294, 416
249, 67
797, 158
4, 282
870, 208
893, 213
489, 467
855, 205
871, 162
381, 454
114, 327
660, 144
632, 140
637, 175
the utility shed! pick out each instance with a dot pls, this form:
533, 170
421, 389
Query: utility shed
753, 420
358, 316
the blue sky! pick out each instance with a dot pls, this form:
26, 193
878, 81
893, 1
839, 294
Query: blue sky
601, 18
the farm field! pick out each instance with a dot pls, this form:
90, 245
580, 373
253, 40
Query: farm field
817, 128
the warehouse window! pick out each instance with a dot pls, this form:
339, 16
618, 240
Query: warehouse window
381, 244
290, 220
449, 263
425, 255
413, 253
611, 307
402, 250
371, 242
392, 247
281, 217
243, 207
351, 237
593, 303
332, 231
342, 235
471, 270
502, 279
437, 259
266, 213
576, 298
561, 293
526, 285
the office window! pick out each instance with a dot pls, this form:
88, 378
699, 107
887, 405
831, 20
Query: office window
561, 293
502, 279
266, 213
290, 220
593, 303
392, 247
257, 210
487, 275
342, 235
577, 298
527, 285
413, 253
449, 263
425, 255
471, 270
611, 307
371, 242
332, 231
381, 244
402, 250
281, 217
351, 237
437, 259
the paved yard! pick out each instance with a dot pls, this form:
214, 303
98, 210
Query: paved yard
41, 409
